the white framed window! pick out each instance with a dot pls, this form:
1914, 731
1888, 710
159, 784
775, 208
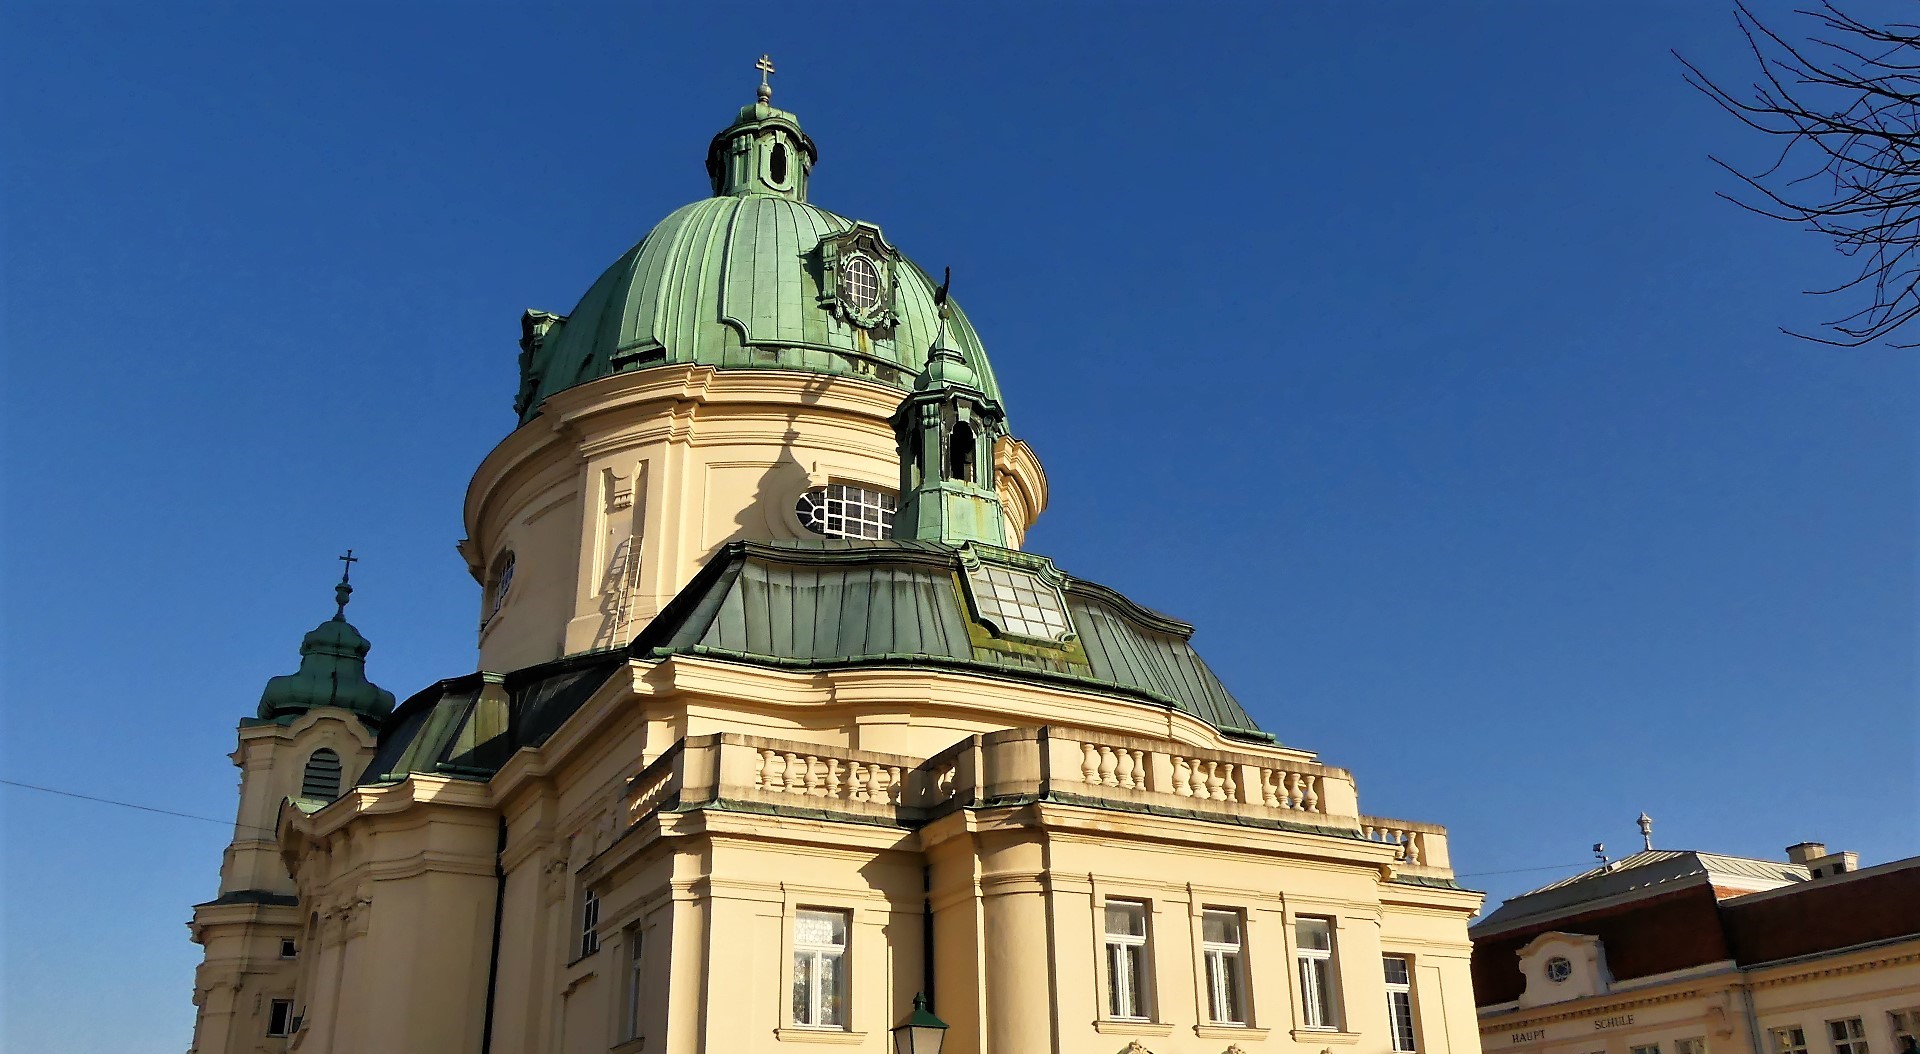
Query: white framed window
1696, 1045
1221, 944
1644, 1048
589, 923
1129, 990
288, 949
1018, 602
820, 969
1790, 1040
863, 282
630, 1013
1313, 954
280, 1017
1904, 1024
1400, 1001
1849, 1036
845, 510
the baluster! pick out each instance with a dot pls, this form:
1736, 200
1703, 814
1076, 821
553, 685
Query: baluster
897, 785
834, 782
1182, 777
859, 780
1415, 855
1089, 763
1141, 770
1313, 793
1123, 769
759, 767
799, 774
1215, 782
1107, 764
1229, 783
1269, 796
774, 770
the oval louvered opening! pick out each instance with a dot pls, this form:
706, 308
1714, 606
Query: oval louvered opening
322, 778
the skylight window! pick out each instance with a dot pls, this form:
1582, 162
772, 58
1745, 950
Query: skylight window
1018, 603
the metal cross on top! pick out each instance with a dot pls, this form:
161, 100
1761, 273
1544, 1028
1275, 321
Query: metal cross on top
765, 66
347, 562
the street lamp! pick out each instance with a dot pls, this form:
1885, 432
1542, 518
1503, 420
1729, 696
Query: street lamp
921, 1032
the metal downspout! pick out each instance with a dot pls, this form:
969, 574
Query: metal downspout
493, 954
1753, 1019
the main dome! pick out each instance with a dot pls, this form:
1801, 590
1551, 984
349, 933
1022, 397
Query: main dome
751, 278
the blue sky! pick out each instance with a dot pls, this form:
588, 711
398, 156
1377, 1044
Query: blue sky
1402, 348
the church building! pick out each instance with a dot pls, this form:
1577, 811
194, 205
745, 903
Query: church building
780, 738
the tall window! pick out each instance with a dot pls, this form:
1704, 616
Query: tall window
280, 1017
589, 923
1696, 1045
1128, 991
499, 584
1313, 952
1400, 1001
1790, 1040
1905, 1025
632, 1014
820, 969
1220, 943
1849, 1036
863, 282
322, 777
840, 510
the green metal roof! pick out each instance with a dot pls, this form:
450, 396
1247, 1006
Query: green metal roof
741, 280
835, 603
333, 672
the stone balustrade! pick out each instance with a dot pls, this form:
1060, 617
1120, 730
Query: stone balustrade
1032, 764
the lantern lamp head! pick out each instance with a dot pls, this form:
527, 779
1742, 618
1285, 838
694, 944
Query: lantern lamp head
921, 1032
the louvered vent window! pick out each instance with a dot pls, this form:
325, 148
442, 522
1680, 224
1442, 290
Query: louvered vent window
322, 778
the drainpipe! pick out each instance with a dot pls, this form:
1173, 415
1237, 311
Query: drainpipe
493, 955
926, 934
1753, 1019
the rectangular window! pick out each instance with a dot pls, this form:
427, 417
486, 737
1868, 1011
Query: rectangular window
820, 969
1400, 1001
288, 949
1696, 1045
1849, 1036
1220, 944
1128, 991
1790, 1040
632, 1000
280, 1017
1649, 1048
1904, 1024
589, 923
1313, 952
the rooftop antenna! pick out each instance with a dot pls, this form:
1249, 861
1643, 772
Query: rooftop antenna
765, 66
1646, 830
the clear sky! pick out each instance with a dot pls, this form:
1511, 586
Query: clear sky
1402, 348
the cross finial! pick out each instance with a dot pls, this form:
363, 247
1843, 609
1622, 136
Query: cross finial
765, 66
343, 591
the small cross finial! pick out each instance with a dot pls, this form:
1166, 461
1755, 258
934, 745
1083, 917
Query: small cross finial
765, 66
343, 591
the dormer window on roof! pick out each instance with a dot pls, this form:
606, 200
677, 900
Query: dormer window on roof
863, 282
1018, 603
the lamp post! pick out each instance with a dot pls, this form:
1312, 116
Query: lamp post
921, 1032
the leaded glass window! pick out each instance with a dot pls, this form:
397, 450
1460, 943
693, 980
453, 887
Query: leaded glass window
863, 282
842, 510
1018, 603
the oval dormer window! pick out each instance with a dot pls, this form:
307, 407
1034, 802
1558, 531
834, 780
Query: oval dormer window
863, 282
841, 510
777, 165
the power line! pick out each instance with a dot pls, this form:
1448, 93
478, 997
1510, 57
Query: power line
129, 805
1518, 870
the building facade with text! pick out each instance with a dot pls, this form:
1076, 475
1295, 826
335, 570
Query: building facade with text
777, 725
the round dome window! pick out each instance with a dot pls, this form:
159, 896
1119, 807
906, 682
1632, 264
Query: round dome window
863, 282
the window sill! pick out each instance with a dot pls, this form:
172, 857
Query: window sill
629, 1046
1324, 1035
1232, 1032
818, 1035
1115, 1027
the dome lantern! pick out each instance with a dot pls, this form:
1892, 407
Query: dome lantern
763, 151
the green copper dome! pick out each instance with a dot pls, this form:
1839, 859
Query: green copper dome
751, 278
333, 672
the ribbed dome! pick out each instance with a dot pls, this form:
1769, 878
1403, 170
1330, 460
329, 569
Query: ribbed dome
752, 278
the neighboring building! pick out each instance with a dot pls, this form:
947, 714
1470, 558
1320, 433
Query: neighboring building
1674, 952
786, 728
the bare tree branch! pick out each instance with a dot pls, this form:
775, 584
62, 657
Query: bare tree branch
1846, 105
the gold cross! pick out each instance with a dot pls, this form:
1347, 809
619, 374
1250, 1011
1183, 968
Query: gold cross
765, 66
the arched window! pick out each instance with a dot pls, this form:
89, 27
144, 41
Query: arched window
960, 453
863, 282
498, 583
322, 778
840, 510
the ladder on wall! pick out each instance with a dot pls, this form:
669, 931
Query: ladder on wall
623, 577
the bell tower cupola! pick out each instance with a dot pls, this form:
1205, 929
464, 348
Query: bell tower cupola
947, 428
763, 152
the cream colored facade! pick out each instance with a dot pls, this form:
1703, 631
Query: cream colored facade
645, 875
